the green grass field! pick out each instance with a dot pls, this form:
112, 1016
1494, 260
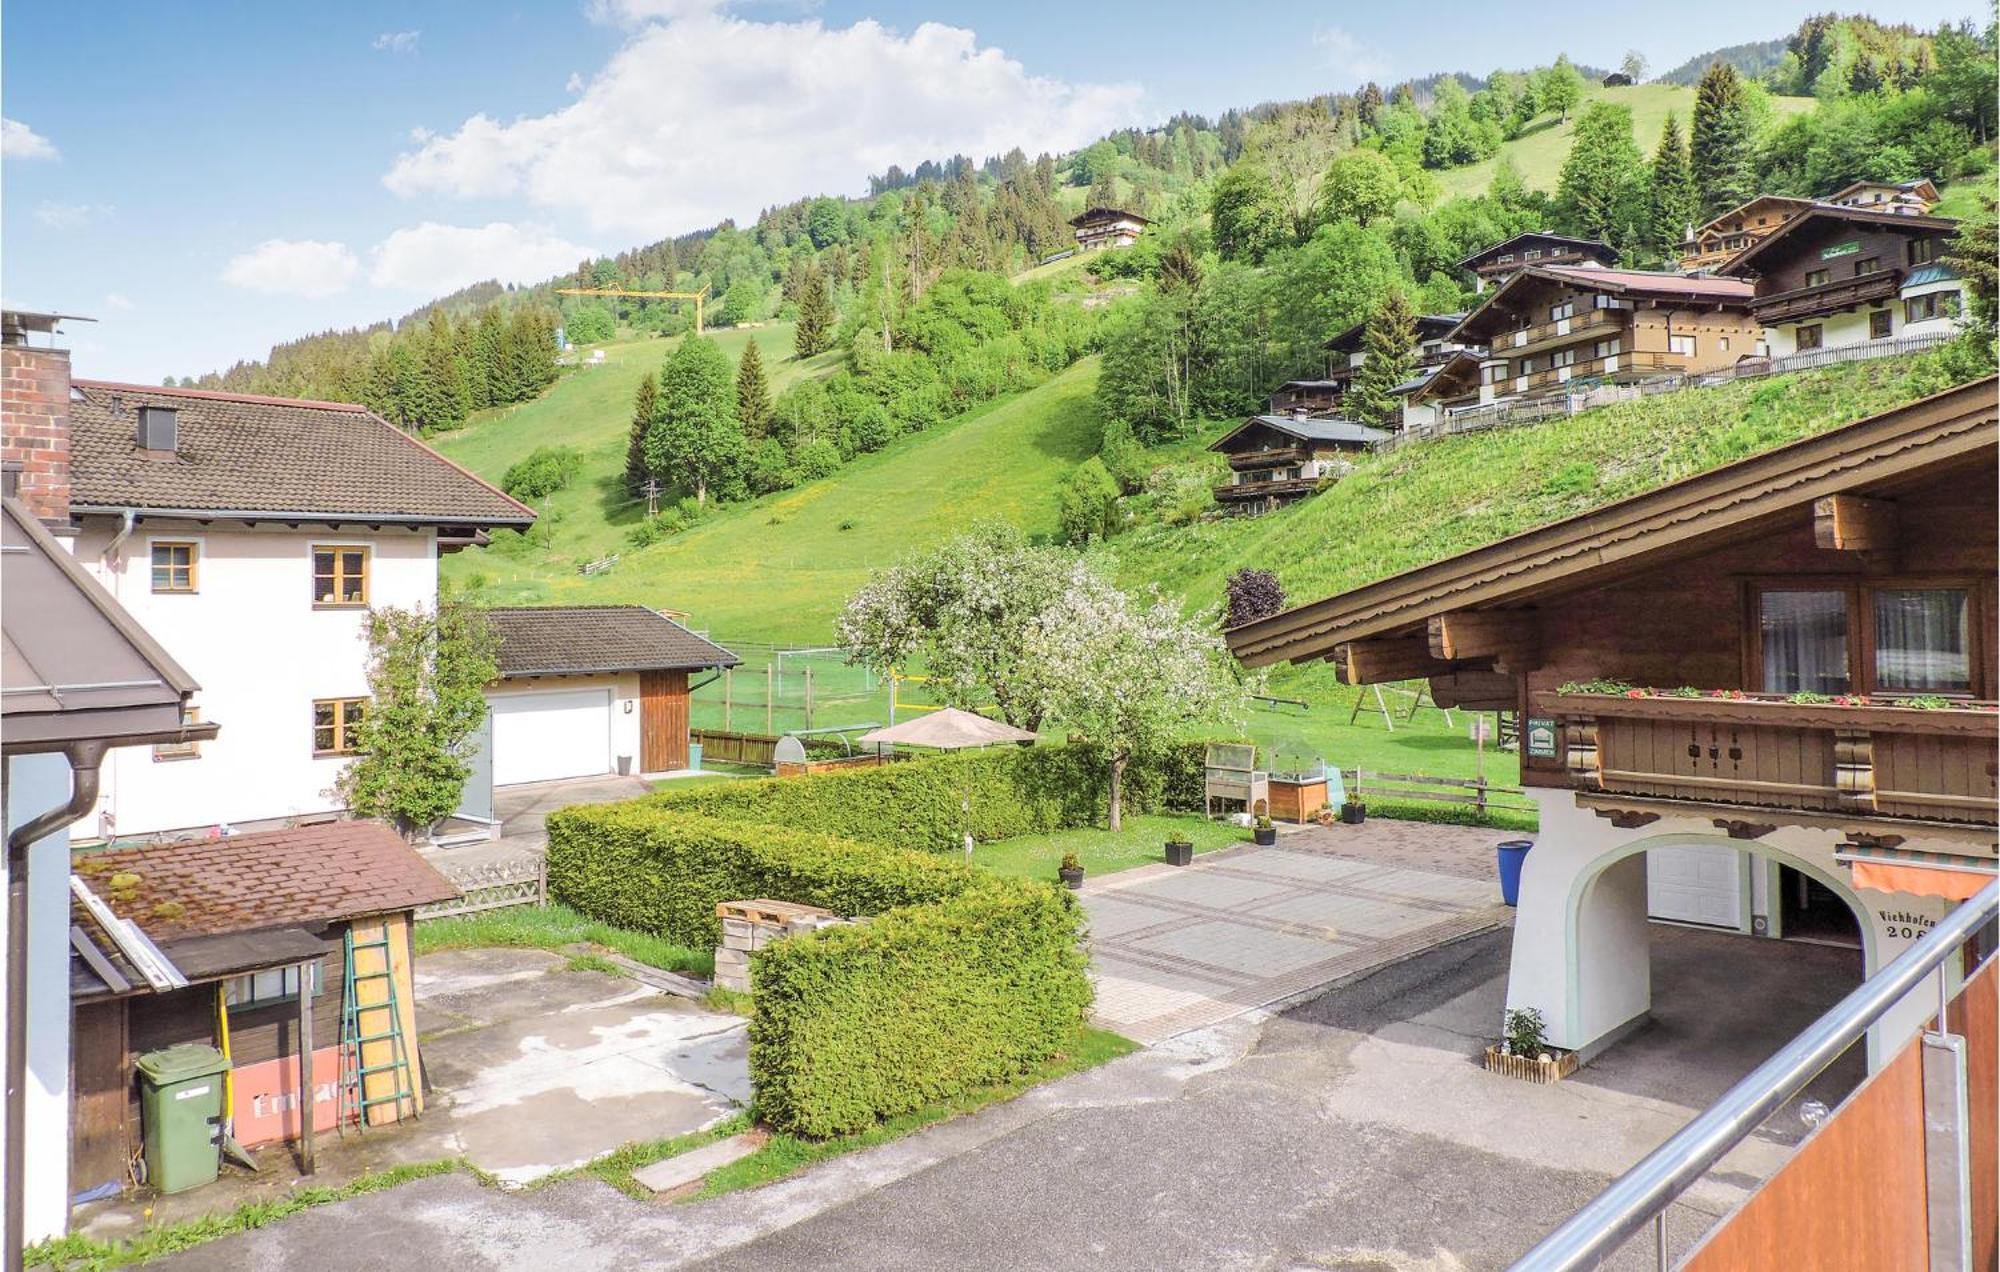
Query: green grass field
1538, 154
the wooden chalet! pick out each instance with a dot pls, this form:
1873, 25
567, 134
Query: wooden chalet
1833, 275
1918, 196
1430, 395
1107, 227
1494, 265
1547, 327
1709, 245
1309, 397
1760, 699
1274, 459
1436, 344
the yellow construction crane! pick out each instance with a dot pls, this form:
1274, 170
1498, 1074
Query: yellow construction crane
698, 297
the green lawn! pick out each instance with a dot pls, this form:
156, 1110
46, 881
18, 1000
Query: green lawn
1138, 842
552, 927
1539, 153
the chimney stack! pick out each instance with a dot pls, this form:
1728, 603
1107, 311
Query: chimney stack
34, 419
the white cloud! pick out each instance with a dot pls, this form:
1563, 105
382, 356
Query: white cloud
638, 12
434, 259
118, 301
1349, 56
294, 267
70, 216
397, 41
18, 141
574, 84
709, 116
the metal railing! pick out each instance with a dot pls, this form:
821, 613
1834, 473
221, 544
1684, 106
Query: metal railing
1642, 1194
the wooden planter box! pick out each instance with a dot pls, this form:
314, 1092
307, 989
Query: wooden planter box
1531, 1070
1296, 800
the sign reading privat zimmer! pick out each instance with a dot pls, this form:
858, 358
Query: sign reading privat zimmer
1541, 738
1840, 249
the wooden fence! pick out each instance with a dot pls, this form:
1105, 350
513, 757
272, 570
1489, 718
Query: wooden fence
732, 747
1477, 794
497, 887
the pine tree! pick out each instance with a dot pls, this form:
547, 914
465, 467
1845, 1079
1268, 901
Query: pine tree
645, 410
814, 330
1388, 344
753, 393
1598, 192
1720, 145
1671, 200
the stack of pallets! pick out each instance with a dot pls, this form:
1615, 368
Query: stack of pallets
751, 925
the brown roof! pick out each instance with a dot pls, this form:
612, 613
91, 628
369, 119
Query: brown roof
241, 454
554, 640
1775, 241
75, 666
281, 878
1639, 283
1588, 247
1091, 216
1957, 426
1748, 205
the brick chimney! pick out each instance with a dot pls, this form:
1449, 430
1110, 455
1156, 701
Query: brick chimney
34, 425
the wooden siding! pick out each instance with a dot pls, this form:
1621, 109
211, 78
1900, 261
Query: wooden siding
1783, 266
1975, 1016
100, 1075
663, 721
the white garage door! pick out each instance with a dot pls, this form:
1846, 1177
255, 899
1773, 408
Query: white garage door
1696, 883
538, 737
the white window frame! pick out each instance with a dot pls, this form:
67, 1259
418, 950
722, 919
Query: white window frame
269, 987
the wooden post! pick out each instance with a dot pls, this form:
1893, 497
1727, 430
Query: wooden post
307, 1108
770, 696
728, 691
809, 696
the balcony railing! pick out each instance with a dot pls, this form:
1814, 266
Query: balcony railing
1621, 364
1562, 331
1234, 492
1769, 752
1250, 460
1828, 297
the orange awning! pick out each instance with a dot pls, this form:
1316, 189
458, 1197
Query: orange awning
1922, 881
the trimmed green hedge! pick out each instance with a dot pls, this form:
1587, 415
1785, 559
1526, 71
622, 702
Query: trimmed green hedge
921, 1004
957, 980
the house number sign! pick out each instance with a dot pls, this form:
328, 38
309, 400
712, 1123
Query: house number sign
1541, 733
1840, 249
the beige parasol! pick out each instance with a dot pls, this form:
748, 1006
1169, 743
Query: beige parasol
949, 729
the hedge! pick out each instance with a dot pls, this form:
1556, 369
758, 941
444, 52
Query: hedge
921, 1004
958, 979
917, 803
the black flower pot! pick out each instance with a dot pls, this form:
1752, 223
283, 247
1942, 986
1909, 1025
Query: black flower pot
1265, 836
1073, 878
1179, 854
1353, 813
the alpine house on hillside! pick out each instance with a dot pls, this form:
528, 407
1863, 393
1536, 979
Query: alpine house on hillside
1274, 459
1500, 262
1107, 227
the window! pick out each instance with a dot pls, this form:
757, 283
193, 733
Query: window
1526, 367
1930, 305
334, 723
1682, 345
1602, 301
1532, 254
189, 750
1803, 636
1867, 265
174, 566
340, 576
1604, 349
261, 989
1559, 312
1922, 251
1922, 639
1818, 277
1809, 337
1563, 358
1493, 373
1878, 325
1507, 259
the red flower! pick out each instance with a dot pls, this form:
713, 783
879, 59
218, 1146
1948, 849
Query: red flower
1637, 693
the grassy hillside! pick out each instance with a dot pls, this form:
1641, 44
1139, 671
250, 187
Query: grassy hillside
1539, 153
778, 568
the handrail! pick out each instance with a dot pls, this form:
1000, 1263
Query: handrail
1644, 1192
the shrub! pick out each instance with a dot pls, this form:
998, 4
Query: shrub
817, 460
546, 470
918, 1005
1087, 503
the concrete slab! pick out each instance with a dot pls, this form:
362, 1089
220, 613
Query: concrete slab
678, 1172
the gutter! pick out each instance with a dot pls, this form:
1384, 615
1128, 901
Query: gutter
321, 516
84, 761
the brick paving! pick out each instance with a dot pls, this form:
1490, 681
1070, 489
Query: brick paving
1174, 949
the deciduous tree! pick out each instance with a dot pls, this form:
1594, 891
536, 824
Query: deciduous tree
1599, 193
696, 439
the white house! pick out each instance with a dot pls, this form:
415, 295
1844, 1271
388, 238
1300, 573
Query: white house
251, 535
1107, 227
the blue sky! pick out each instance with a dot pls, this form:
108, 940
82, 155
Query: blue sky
208, 180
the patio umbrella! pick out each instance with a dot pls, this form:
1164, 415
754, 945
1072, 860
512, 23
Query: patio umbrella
949, 729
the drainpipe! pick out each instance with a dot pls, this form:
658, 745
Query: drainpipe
130, 520
84, 760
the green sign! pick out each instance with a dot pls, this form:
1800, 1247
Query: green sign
1541, 738
1840, 249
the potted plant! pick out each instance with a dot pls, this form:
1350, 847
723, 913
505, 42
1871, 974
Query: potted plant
1525, 1052
1070, 871
1180, 852
1354, 812
1265, 831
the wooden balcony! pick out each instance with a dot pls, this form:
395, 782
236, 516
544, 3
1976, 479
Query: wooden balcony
1250, 461
1767, 752
1828, 298
1257, 491
1617, 364
1588, 324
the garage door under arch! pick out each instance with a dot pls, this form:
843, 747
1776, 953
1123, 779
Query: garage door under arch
543, 736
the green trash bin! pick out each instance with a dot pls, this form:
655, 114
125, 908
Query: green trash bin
180, 1102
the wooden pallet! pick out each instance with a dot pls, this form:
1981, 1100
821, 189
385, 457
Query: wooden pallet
776, 913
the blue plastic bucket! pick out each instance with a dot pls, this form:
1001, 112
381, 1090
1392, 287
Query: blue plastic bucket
1512, 853
694, 755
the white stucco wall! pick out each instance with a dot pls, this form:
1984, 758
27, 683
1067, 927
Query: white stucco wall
262, 654
34, 784
1582, 942
1851, 328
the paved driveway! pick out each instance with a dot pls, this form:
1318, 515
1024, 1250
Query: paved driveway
521, 810
1175, 949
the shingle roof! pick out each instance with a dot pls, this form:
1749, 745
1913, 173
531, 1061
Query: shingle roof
1580, 244
1661, 282
1091, 216
241, 883
1311, 428
1778, 239
244, 454
551, 640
